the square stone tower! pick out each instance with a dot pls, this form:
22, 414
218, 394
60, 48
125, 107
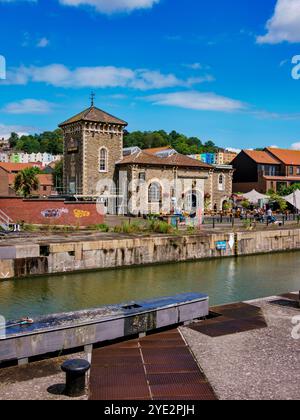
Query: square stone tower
93, 144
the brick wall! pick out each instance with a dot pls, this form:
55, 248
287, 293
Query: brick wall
51, 212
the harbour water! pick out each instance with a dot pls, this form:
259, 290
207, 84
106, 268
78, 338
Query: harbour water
224, 280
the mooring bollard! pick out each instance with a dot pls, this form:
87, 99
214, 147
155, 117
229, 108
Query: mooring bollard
75, 377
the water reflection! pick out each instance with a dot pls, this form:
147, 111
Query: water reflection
224, 281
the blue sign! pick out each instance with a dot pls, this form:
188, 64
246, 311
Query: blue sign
221, 245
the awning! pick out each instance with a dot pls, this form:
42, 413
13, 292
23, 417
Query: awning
254, 197
294, 199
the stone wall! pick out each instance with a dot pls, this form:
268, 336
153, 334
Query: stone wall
128, 251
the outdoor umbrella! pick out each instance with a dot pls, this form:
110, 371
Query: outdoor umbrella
294, 199
254, 197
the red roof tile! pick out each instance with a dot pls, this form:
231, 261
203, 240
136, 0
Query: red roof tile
17, 167
288, 157
261, 157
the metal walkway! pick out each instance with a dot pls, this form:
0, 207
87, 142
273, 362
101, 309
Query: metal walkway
157, 367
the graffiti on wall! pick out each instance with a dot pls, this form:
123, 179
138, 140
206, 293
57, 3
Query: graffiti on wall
54, 213
80, 214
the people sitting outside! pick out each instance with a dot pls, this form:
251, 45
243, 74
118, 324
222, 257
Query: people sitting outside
270, 218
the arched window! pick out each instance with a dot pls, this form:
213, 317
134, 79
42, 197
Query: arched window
155, 193
221, 183
103, 160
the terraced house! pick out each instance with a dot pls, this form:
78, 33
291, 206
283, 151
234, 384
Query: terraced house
135, 181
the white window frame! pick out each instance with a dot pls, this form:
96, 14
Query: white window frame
154, 196
221, 185
103, 171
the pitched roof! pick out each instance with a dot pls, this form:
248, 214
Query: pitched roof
16, 167
94, 114
261, 157
44, 179
145, 158
155, 150
288, 157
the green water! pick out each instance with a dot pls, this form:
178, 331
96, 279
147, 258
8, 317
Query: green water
226, 280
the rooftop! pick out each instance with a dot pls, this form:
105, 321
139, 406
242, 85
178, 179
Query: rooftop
144, 157
93, 114
288, 157
261, 157
16, 167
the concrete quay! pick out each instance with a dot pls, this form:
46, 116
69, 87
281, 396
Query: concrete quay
39, 254
251, 351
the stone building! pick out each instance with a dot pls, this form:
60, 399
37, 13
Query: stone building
135, 181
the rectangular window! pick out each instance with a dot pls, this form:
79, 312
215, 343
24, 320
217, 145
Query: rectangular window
291, 170
142, 176
298, 170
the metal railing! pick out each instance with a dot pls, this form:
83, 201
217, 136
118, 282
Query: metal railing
5, 220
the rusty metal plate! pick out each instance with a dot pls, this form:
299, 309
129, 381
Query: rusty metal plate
185, 390
228, 327
180, 366
176, 378
103, 393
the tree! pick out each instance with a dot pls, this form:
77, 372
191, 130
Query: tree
13, 139
27, 181
289, 190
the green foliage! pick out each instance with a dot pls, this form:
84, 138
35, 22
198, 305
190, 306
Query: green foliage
101, 227
279, 201
14, 137
129, 228
27, 181
47, 142
284, 191
181, 143
246, 204
156, 226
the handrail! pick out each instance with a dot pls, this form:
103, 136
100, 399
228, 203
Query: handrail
5, 218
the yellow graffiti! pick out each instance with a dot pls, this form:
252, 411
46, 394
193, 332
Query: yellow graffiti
79, 214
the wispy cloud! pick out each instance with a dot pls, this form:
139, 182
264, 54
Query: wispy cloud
28, 106
102, 6
99, 77
112, 6
197, 101
6, 130
43, 43
284, 24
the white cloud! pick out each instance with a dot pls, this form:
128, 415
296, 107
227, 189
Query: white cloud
28, 106
197, 101
6, 130
233, 150
112, 6
274, 146
43, 43
295, 146
103, 6
98, 77
284, 24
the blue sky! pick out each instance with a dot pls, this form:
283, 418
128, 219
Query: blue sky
219, 70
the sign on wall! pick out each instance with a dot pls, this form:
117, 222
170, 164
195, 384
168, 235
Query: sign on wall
221, 245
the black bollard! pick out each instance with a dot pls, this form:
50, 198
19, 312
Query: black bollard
75, 377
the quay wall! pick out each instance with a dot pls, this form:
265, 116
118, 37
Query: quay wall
109, 251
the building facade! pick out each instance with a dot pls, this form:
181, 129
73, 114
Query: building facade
135, 181
8, 172
270, 169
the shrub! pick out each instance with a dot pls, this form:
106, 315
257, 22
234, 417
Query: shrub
160, 227
102, 227
129, 228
